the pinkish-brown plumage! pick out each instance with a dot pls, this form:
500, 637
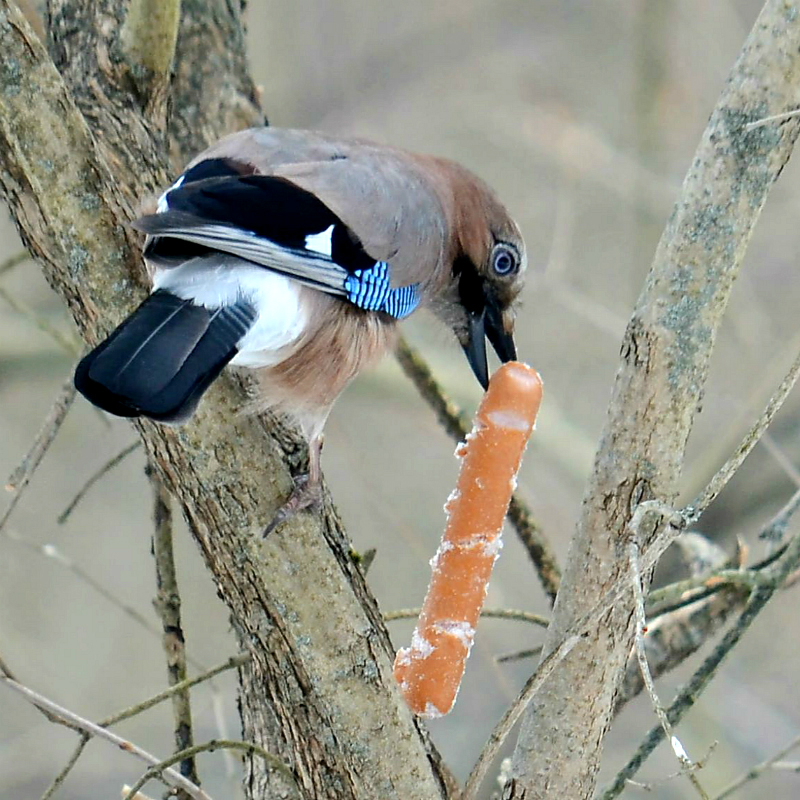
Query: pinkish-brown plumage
337, 344
296, 253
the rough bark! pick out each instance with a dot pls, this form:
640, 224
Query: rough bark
79, 144
658, 389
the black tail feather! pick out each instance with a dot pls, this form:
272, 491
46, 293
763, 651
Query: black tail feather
160, 361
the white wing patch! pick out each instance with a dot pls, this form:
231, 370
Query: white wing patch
218, 281
320, 242
163, 204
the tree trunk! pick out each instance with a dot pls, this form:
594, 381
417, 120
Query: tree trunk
85, 131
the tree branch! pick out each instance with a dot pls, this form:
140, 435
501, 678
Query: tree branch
168, 605
686, 696
209, 747
665, 355
75, 722
319, 691
18, 481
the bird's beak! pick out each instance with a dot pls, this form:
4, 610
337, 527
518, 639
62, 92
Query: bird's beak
487, 324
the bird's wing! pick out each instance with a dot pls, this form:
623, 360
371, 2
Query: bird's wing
270, 221
316, 271
386, 197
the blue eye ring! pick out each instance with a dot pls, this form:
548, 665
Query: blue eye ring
504, 260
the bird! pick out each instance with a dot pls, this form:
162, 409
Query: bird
296, 254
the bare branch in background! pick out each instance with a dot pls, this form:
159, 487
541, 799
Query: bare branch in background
168, 605
68, 345
687, 765
666, 522
13, 261
687, 695
138, 708
21, 476
696, 508
686, 614
315, 678
491, 613
75, 722
189, 753
754, 773
102, 472
67, 768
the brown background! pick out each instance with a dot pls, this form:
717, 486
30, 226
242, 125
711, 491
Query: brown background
584, 115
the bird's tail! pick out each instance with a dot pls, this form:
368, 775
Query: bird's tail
162, 358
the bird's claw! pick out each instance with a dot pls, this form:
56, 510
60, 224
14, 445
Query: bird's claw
306, 495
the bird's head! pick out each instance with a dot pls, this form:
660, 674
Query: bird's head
487, 268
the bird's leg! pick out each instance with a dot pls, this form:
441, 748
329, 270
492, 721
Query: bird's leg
307, 492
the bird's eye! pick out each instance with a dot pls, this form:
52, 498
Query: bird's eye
504, 261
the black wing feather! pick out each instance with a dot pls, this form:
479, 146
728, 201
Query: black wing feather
161, 359
269, 207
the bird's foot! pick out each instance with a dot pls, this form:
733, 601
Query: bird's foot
307, 494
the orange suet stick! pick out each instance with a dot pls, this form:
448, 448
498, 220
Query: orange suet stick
430, 671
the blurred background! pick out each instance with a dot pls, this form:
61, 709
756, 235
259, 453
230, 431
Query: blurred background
584, 116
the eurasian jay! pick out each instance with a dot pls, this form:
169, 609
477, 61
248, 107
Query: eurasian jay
296, 253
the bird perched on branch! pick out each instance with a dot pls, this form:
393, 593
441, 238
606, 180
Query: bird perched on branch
296, 253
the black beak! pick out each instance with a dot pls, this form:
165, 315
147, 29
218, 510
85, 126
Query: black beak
475, 348
487, 324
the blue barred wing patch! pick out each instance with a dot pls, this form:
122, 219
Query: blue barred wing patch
370, 289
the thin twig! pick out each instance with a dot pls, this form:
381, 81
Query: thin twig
689, 693
775, 529
132, 711
44, 438
22, 474
52, 552
680, 594
138, 796
781, 458
512, 715
106, 468
367, 558
696, 508
495, 613
450, 416
75, 722
668, 523
5, 670
168, 605
755, 772
455, 423
217, 744
640, 627
773, 118
68, 345
685, 614
12, 261
232, 663
518, 655
62, 776
684, 592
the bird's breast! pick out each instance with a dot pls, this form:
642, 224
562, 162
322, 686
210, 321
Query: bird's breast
339, 341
